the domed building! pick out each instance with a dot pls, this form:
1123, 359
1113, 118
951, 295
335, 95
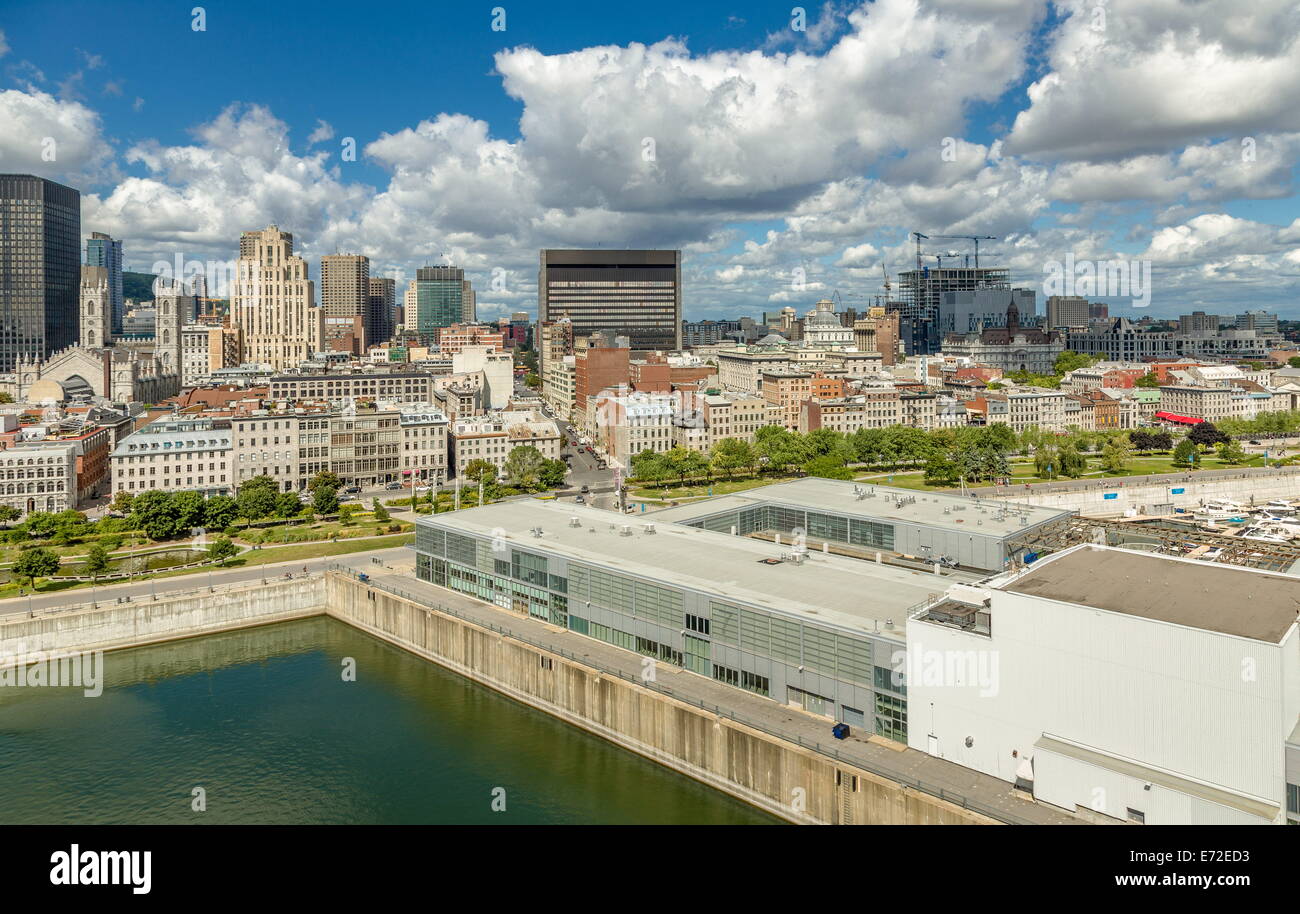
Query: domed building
822, 329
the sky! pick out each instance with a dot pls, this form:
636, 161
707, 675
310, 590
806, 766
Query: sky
788, 151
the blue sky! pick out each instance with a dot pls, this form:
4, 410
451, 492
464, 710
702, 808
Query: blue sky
777, 154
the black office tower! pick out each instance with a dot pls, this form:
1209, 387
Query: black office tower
637, 294
40, 267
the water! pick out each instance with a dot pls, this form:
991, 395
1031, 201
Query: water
263, 721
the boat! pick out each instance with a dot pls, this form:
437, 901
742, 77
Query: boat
1270, 532
1279, 506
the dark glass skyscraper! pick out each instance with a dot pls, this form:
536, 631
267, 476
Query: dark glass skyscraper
40, 267
440, 295
104, 251
637, 294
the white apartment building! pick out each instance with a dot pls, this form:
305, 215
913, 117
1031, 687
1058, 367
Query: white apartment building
492, 437
175, 455
627, 425
1209, 404
424, 442
559, 385
1026, 407
497, 367
39, 477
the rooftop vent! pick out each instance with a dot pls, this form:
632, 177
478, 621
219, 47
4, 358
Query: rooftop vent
625, 530
575, 521
649, 528
537, 531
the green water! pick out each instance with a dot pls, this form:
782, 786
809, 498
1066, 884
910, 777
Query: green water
263, 721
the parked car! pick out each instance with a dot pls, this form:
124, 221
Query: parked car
585, 489
392, 486
580, 500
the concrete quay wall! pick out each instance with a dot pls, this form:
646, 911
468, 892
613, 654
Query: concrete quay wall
113, 625
791, 782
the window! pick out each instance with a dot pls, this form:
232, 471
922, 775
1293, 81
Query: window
1293, 798
891, 718
1136, 815
754, 683
697, 624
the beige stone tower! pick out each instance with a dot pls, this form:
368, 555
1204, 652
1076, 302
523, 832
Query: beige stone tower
96, 312
173, 308
345, 294
273, 301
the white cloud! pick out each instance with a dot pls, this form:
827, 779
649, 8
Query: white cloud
38, 125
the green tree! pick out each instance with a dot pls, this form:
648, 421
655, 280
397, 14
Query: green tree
532, 381
1115, 454
941, 469
828, 467
189, 508
345, 514
1162, 440
480, 470
731, 454
1148, 380
1072, 462
257, 498
219, 512
379, 511
287, 504
9, 514
1204, 434
1047, 461
1069, 360
155, 514
1294, 361
97, 562
684, 462
1230, 451
122, 502
35, 563
523, 465
325, 500
221, 549
650, 467
1185, 453
552, 473
324, 478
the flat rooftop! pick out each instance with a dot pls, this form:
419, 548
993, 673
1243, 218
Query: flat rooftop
878, 503
858, 596
1219, 598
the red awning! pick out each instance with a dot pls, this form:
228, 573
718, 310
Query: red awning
1174, 417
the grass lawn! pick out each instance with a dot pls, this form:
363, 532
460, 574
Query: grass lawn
267, 556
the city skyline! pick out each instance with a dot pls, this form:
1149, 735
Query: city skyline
523, 140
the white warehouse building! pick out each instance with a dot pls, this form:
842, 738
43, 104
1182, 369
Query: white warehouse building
1119, 684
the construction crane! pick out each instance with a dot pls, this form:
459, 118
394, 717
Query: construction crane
918, 236
975, 238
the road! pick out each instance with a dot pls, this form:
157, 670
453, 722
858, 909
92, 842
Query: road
360, 561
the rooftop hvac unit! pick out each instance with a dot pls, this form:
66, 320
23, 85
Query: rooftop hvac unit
575, 521
537, 531
649, 528
626, 530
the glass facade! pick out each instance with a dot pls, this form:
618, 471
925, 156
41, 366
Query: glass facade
833, 528
40, 268
439, 300
528, 583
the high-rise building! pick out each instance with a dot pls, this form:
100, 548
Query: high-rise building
381, 310
103, 251
345, 296
1198, 322
1263, 321
636, 294
468, 304
435, 299
922, 294
273, 301
40, 268
1067, 311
